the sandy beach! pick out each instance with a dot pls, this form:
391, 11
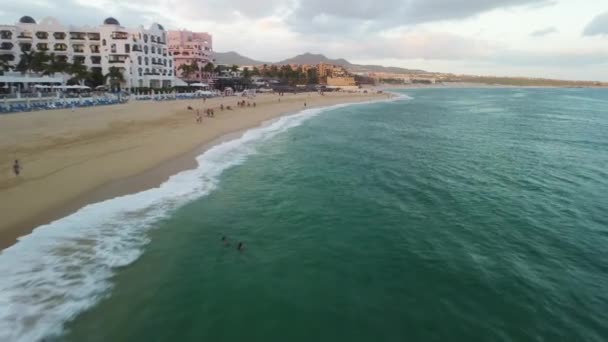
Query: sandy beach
71, 158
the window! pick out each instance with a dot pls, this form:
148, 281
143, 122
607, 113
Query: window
139, 60
42, 35
59, 35
139, 71
146, 60
103, 42
113, 48
127, 48
42, 46
153, 50
96, 59
170, 63
6, 34
6, 46
25, 46
145, 38
147, 71
146, 49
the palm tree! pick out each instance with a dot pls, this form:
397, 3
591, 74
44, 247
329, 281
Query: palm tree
188, 69
79, 72
4, 66
115, 78
208, 67
39, 61
234, 68
26, 61
218, 69
246, 73
55, 65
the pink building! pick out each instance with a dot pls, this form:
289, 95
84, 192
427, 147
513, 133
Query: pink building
189, 47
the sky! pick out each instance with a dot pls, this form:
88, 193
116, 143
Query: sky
566, 39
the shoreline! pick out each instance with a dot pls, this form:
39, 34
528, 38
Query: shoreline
156, 174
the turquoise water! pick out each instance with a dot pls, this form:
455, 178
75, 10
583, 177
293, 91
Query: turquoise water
456, 215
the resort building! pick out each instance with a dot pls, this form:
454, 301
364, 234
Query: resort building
341, 81
140, 54
191, 48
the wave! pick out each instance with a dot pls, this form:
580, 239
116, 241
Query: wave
65, 267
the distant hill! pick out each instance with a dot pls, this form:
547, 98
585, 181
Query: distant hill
310, 58
231, 58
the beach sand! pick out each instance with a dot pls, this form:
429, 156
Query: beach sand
72, 158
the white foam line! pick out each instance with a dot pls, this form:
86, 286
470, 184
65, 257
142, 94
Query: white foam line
63, 268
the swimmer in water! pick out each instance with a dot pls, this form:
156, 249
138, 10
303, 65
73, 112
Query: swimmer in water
225, 241
241, 247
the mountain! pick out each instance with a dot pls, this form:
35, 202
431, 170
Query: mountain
231, 58
310, 58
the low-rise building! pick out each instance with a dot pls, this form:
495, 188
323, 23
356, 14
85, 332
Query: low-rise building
341, 81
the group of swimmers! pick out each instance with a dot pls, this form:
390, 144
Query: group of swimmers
240, 247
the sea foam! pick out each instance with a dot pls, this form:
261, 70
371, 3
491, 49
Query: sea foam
63, 268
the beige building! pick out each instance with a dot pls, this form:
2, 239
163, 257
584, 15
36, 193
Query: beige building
342, 81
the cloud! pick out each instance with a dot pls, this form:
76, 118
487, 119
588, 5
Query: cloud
597, 26
358, 16
543, 32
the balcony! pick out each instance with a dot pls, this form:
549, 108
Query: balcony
6, 35
78, 50
94, 49
24, 36
120, 35
6, 46
93, 36
96, 60
42, 35
60, 47
59, 35
78, 36
42, 47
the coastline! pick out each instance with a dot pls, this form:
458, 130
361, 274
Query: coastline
152, 172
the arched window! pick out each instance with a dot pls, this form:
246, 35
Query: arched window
147, 71
113, 48
170, 63
146, 49
146, 60
139, 71
139, 60
145, 38
153, 50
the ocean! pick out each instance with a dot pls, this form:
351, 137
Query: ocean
442, 215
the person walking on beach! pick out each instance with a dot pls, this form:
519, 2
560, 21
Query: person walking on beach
17, 168
304, 104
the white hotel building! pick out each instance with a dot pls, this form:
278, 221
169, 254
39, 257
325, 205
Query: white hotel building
141, 54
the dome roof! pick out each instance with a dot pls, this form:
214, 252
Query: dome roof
111, 21
26, 19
